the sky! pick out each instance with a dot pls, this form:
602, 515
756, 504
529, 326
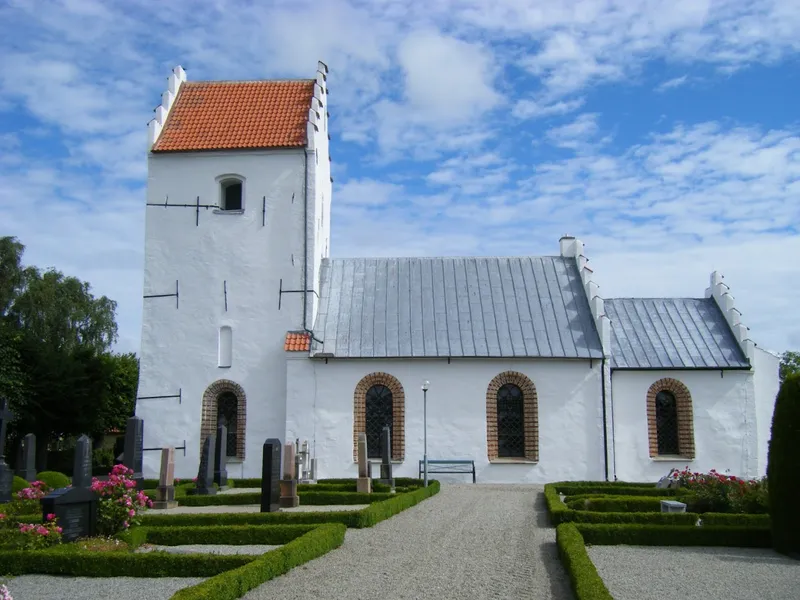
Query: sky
664, 135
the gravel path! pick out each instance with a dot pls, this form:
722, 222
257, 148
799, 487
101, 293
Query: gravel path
684, 573
468, 541
50, 587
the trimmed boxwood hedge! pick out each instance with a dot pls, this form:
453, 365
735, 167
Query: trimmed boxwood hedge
237, 582
616, 503
113, 564
575, 490
586, 582
306, 498
560, 513
234, 535
675, 535
54, 479
18, 484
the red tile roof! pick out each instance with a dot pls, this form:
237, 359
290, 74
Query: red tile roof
217, 115
297, 342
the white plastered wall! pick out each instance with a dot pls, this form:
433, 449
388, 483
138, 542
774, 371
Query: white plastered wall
767, 367
320, 409
725, 431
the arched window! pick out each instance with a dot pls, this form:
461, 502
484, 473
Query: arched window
228, 415
378, 401
378, 415
231, 195
670, 419
225, 403
512, 418
510, 422
667, 422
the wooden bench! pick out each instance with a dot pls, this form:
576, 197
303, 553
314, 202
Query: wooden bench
448, 466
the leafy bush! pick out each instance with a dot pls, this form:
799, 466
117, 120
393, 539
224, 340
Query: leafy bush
102, 460
120, 504
782, 461
574, 490
18, 484
717, 492
35, 536
36, 490
586, 582
54, 479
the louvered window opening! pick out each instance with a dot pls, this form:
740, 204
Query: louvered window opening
379, 415
667, 423
227, 415
510, 422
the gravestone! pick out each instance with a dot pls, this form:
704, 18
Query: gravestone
386, 457
672, 506
204, 486
75, 509
270, 476
133, 455
6, 474
165, 492
221, 458
82, 463
26, 465
364, 482
288, 485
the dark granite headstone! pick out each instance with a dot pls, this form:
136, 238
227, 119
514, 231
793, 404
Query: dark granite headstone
386, 457
82, 464
75, 509
26, 465
204, 486
221, 458
6, 474
133, 455
270, 476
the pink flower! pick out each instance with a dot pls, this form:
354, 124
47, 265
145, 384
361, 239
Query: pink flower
59, 530
131, 513
125, 524
42, 530
2, 516
51, 516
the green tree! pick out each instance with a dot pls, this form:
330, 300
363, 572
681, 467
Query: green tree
55, 359
782, 461
790, 363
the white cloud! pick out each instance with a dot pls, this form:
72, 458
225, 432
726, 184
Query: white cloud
533, 109
671, 84
574, 135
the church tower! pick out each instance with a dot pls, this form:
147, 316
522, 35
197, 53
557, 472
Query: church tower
237, 224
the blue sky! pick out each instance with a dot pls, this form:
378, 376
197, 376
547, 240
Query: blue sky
666, 135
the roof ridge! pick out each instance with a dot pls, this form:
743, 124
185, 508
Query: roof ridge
655, 298
228, 81
443, 257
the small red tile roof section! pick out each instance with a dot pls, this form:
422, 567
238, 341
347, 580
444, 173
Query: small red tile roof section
220, 115
297, 341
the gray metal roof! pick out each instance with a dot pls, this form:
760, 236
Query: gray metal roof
417, 307
682, 333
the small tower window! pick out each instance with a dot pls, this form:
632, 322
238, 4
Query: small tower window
225, 346
231, 194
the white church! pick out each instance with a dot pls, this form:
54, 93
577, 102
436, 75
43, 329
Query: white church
248, 321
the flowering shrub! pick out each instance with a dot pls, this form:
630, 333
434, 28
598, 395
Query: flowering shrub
36, 491
41, 535
4, 593
717, 492
120, 504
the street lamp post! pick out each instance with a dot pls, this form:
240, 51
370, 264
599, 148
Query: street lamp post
425, 386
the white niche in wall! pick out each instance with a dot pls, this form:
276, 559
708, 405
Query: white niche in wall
225, 346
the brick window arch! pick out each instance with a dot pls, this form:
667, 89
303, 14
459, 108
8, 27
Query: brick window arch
670, 416
380, 386
502, 388
225, 389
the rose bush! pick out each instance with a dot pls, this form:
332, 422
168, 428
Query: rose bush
36, 491
39, 535
120, 504
717, 492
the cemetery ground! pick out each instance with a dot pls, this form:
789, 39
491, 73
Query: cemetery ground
462, 541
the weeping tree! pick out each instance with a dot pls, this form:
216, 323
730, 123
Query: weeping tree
782, 468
